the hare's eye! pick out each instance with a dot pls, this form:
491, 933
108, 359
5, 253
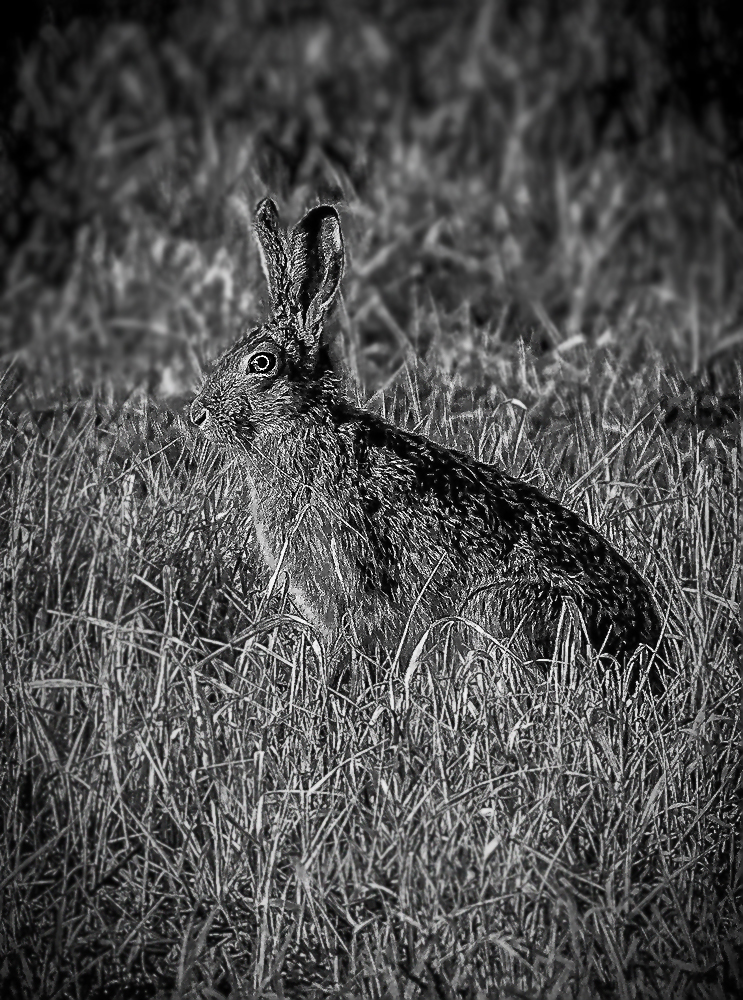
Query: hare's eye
262, 363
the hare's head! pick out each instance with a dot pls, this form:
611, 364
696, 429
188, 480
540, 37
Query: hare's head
276, 371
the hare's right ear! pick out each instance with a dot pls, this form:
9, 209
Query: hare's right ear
317, 256
272, 244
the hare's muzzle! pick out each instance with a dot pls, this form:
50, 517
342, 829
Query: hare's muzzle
199, 413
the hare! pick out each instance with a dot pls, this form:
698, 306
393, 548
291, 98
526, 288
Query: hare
378, 531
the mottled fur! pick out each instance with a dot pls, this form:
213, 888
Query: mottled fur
371, 522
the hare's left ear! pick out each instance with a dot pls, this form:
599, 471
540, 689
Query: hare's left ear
272, 244
316, 262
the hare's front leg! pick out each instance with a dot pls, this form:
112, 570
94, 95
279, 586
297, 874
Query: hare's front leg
325, 617
304, 562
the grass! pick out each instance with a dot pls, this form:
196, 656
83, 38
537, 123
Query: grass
194, 801
191, 803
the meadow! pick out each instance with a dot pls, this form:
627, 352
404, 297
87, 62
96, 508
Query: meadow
196, 802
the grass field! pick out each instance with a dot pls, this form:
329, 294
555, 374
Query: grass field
194, 801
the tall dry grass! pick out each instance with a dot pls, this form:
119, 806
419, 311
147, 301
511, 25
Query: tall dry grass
192, 801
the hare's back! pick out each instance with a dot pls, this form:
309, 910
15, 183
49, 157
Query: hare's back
408, 480
421, 505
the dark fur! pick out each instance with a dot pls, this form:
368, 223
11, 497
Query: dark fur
376, 520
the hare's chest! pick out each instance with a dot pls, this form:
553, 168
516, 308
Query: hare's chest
266, 524
297, 540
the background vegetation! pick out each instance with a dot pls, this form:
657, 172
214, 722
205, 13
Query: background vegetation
543, 216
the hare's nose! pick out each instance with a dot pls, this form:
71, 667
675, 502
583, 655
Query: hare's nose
199, 413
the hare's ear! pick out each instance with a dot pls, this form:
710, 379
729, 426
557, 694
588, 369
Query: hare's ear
316, 254
272, 244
